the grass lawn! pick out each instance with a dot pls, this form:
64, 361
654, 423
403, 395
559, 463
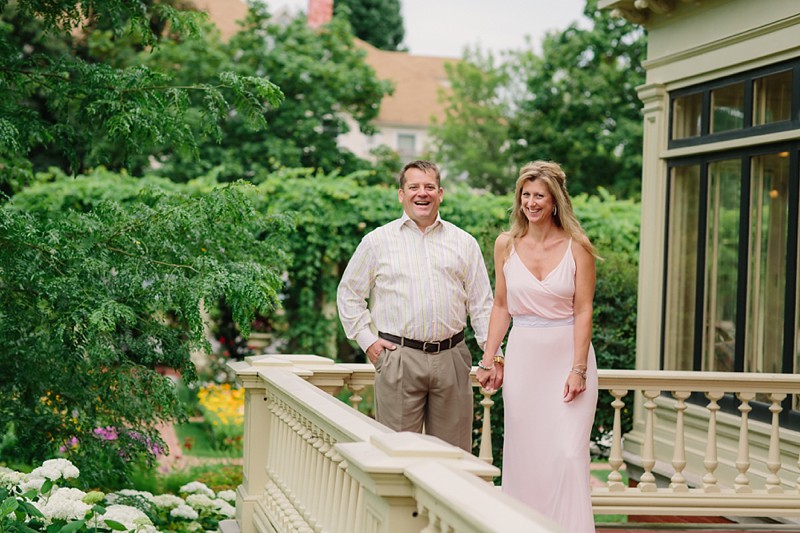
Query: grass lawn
602, 474
195, 442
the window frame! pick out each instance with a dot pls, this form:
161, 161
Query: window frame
748, 129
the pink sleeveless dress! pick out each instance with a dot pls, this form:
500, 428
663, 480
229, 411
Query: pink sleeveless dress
546, 442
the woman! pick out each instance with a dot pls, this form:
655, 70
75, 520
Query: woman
545, 278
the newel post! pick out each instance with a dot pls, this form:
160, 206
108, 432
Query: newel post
256, 436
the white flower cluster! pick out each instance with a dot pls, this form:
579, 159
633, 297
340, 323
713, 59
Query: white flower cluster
133, 519
196, 487
70, 504
201, 499
64, 504
55, 469
10, 478
167, 501
120, 494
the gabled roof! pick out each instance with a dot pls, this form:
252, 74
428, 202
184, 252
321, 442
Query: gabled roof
417, 83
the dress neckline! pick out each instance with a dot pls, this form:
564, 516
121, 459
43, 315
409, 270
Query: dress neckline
544, 279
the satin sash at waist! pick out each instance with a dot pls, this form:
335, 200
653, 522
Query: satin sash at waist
536, 321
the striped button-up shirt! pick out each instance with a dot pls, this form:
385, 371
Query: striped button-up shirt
420, 285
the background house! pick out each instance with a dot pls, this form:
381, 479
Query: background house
402, 125
405, 116
718, 289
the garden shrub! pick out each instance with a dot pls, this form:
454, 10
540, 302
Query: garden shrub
45, 501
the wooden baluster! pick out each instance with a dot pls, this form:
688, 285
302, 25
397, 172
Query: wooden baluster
710, 460
342, 488
647, 483
300, 489
615, 456
355, 398
678, 481
356, 503
433, 520
321, 485
486, 429
773, 482
742, 482
332, 489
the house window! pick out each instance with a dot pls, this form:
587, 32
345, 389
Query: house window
407, 145
772, 95
732, 263
727, 108
686, 115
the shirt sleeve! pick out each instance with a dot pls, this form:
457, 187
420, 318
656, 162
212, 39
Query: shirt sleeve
352, 295
479, 295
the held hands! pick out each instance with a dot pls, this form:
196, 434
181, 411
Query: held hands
376, 348
575, 384
490, 377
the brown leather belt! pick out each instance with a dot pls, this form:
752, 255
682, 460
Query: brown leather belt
427, 347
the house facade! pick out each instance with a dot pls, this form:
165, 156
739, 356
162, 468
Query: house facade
420, 85
718, 283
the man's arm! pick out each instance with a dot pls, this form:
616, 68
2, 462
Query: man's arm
479, 295
352, 295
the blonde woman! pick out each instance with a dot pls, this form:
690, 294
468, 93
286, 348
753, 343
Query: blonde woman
545, 279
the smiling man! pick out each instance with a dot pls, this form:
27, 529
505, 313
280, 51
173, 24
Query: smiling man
421, 277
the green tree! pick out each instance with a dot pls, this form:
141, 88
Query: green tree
51, 93
322, 74
574, 103
472, 141
101, 276
581, 107
379, 22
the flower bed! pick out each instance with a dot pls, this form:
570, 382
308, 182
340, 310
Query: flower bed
222, 406
43, 501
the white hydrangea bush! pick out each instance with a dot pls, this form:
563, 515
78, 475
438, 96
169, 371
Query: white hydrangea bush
41, 499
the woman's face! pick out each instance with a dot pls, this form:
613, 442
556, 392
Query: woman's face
537, 202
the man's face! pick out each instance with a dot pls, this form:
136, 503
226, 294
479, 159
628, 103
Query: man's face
421, 196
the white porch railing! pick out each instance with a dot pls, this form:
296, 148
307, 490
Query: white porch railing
313, 464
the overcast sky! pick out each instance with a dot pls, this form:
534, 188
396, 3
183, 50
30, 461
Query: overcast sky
445, 27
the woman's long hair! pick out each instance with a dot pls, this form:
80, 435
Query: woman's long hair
553, 177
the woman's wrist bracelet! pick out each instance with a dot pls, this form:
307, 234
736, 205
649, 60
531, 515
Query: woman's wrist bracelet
484, 367
581, 373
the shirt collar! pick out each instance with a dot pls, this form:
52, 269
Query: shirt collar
405, 219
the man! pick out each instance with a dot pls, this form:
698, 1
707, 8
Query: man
423, 276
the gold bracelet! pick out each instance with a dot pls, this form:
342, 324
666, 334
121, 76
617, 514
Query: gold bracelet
500, 360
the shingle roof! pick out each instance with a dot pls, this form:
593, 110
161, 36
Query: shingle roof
417, 80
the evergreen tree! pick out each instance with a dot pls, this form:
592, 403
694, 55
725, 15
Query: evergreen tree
378, 22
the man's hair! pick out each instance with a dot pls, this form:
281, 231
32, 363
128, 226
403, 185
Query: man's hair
425, 166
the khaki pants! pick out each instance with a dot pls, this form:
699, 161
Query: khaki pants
413, 388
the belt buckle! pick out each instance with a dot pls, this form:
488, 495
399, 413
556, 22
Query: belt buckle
438, 347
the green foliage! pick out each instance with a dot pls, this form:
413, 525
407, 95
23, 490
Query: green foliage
51, 92
473, 139
44, 501
322, 74
575, 103
331, 214
379, 22
104, 293
217, 476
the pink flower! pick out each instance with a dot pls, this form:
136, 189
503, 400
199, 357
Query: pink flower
106, 433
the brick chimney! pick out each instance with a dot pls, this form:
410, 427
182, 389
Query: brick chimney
319, 12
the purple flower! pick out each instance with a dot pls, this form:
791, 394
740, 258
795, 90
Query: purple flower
106, 433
